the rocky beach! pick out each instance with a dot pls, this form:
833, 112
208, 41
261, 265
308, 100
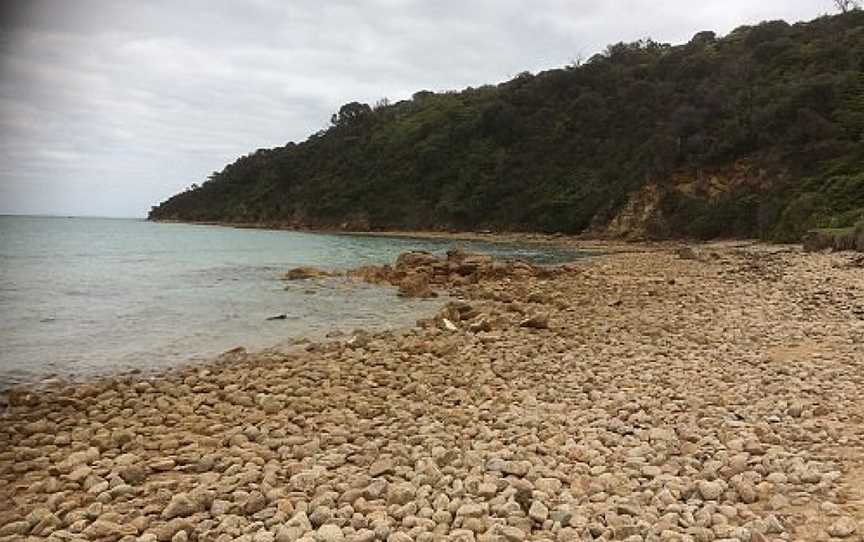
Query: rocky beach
652, 393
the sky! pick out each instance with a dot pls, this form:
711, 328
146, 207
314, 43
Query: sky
110, 106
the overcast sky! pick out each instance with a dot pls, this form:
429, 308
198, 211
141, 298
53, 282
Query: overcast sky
110, 106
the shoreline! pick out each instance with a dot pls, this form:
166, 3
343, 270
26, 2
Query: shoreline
581, 241
600, 399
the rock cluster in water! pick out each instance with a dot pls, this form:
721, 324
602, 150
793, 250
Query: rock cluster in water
711, 395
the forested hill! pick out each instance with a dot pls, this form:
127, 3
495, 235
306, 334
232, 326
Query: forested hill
758, 133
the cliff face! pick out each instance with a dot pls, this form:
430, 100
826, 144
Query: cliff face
757, 133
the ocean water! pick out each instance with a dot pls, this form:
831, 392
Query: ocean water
83, 296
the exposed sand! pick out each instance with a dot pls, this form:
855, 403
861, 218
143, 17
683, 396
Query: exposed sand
667, 399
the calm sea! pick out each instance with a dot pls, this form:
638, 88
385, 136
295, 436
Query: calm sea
84, 296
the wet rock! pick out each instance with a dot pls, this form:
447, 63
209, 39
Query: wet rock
303, 273
416, 285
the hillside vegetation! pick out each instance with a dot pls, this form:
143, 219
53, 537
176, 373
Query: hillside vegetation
758, 133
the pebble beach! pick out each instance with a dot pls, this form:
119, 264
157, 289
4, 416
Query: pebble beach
651, 393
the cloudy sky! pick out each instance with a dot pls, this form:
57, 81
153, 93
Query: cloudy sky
110, 106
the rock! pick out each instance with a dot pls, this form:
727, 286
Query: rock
75, 459
746, 492
105, 529
180, 506
538, 512
255, 502
44, 522
416, 285
711, 491
448, 325
15, 528
79, 474
550, 486
132, 474
162, 464
415, 259
303, 273
400, 494
487, 490
381, 467
479, 325
686, 253
470, 510
329, 533
289, 534
843, 527
515, 468
512, 534
165, 532
538, 321
270, 404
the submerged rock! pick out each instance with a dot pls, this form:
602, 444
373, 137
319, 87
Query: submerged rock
303, 273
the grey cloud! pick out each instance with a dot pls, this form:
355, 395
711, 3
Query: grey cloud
109, 106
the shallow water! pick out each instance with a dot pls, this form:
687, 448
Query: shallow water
83, 296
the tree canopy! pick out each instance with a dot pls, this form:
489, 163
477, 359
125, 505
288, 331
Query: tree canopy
755, 133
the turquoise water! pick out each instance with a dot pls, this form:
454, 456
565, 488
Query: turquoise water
83, 296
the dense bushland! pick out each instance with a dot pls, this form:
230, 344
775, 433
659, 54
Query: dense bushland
758, 133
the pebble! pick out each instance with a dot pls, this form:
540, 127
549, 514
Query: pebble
843, 527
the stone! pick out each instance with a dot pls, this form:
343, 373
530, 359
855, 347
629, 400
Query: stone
550, 486
537, 321
401, 493
15, 528
79, 474
166, 531
304, 273
470, 510
416, 285
711, 490
132, 474
270, 404
686, 253
516, 468
512, 534
108, 529
329, 533
381, 467
843, 527
179, 506
538, 512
